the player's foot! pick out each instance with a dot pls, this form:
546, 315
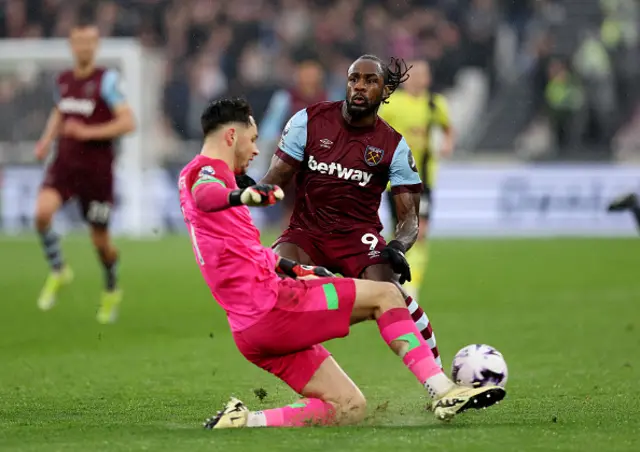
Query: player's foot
52, 285
624, 202
460, 399
109, 305
233, 415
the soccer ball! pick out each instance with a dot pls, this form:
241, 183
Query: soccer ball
479, 365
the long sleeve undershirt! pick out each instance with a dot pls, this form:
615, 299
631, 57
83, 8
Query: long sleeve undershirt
211, 196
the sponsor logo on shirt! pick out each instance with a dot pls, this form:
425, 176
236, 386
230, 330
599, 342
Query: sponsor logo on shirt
71, 105
337, 170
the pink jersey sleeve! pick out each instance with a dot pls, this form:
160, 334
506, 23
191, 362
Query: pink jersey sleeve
210, 197
209, 190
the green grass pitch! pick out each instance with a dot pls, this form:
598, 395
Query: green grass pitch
565, 313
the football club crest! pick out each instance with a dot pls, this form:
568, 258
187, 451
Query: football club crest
373, 155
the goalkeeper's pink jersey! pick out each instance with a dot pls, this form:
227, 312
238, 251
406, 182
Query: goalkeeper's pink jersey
239, 271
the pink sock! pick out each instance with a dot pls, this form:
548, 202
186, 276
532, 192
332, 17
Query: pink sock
301, 414
397, 324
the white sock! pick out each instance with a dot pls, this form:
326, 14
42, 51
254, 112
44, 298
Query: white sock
438, 385
256, 419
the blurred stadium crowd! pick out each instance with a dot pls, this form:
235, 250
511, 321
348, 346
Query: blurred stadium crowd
584, 90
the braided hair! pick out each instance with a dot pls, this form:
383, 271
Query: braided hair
395, 73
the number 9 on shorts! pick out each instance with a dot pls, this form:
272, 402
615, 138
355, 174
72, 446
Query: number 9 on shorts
371, 240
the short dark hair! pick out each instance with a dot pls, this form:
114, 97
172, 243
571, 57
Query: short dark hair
86, 16
395, 73
225, 111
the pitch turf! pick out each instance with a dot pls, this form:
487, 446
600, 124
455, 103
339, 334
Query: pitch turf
565, 313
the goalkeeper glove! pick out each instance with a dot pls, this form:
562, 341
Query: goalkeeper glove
295, 270
256, 195
394, 254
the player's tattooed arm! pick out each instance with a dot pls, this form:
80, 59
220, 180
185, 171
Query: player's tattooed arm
290, 153
407, 207
280, 173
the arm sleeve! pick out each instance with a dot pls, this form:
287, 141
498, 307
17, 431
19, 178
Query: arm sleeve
403, 172
294, 139
210, 193
279, 107
110, 89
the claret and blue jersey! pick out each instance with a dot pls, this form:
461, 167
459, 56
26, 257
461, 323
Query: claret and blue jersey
343, 170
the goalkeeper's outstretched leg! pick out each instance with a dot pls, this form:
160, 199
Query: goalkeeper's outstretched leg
286, 342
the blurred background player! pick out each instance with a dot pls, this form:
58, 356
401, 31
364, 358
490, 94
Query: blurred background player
280, 324
414, 111
90, 112
342, 157
627, 202
308, 89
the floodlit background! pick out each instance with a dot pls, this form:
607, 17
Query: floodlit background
544, 97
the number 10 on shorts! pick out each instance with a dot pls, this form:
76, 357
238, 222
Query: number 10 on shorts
372, 241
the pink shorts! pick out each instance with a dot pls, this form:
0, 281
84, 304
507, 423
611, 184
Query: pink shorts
286, 341
348, 253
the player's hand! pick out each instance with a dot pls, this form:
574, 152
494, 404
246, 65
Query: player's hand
447, 150
295, 270
42, 150
311, 272
76, 129
394, 254
259, 195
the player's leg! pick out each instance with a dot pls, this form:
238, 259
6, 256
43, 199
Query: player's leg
629, 202
97, 214
285, 343
383, 272
292, 251
383, 302
48, 202
329, 398
330, 306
